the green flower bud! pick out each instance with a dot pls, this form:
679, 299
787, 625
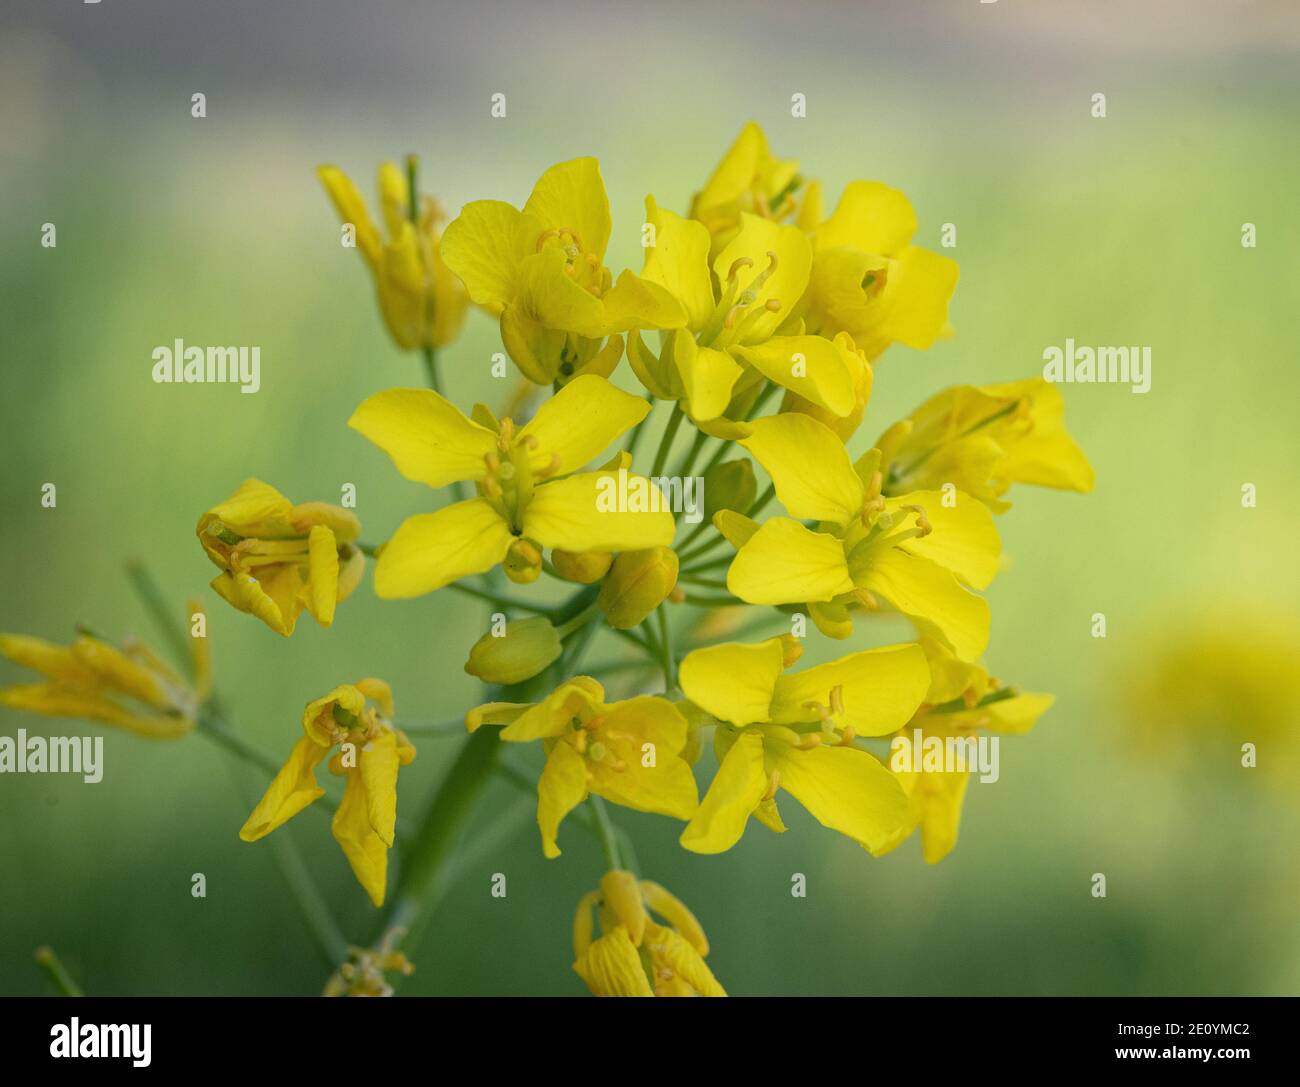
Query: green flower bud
729, 486
584, 567
527, 647
637, 583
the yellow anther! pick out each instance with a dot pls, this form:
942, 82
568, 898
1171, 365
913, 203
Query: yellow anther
847, 736
837, 700
491, 487
773, 784
737, 265
923, 526
529, 442
492, 461
594, 722
506, 434
772, 305
551, 467
730, 321
813, 739
820, 710
866, 599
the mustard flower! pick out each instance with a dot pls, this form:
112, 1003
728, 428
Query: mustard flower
628, 752
277, 558
528, 495
636, 955
422, 302
356, 718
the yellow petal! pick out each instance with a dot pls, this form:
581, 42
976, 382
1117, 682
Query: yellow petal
812, 367
611, 966
636, 302
733, 681
255, 509
964, 537
561, 788
809, 466
553, 715
119, 672
55, 661
580, 421
378, 764
351, 207
57, 700
735, 792
570, 196
679, 262
919, 288
708, 376
323, 574
622, 897
431, 550
484, 246
674, 911
291, 790
582, 513
365, 850
933, 598
736, 170
428, 438
645, 737
880, 688
845, 789
669, 950
551, 296
870, 217
786, 563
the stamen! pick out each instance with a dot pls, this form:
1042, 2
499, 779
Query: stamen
866, 599
773, 784
837, 700
923, 526
736, 266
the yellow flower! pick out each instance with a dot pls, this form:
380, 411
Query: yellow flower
542, 271
277, 558
522, 505
423, 303
795, 732
984, 438
737, 330
867, 279
750, 180
627, 752
963, 698
916, 551
130, 688
356, 718
635, 955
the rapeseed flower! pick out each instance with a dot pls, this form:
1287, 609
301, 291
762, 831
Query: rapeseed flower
277, 558
356, 718
528, 495
627, 752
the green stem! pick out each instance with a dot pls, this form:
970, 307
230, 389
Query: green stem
711, 564
666, 442
605, 831
156, 605
688, 461
639, 430
703, 549
57, 972
666, 651
761, 502
499, 600
713, 601
580, 620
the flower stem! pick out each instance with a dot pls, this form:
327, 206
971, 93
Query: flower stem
667, 662
666, 442
57, 972
605, 831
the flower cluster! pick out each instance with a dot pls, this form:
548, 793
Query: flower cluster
758, 318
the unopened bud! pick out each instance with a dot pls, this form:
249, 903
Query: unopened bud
584, 567
637, 583
729, 486
527, 647
523, 562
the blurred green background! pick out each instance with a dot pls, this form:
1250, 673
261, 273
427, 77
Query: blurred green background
1117, 231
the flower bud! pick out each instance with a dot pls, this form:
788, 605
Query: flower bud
584, 567
637, 583
523, 562
729, 486
527, 647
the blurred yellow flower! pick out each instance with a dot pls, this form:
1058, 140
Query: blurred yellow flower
277, 558
635, 955
522, 505
867, 278
627, 752
356, 718
541, 270
917, 551
423, 303
130, 688
982, 439
796, 732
